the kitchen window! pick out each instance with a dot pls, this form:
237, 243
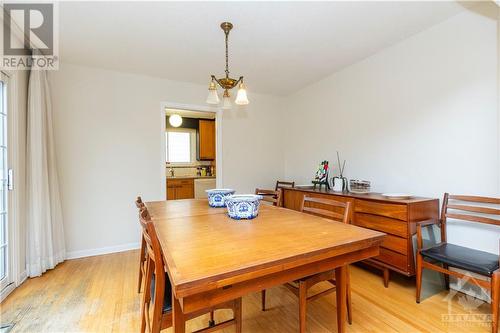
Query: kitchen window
178, 147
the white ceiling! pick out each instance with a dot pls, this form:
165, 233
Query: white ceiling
279, 47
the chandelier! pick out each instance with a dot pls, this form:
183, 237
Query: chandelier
226, 82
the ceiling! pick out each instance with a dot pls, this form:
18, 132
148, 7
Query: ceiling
279, 47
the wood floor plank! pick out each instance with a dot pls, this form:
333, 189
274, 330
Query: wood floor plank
98, 294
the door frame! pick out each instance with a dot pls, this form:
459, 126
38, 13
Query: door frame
218, 139
17, 273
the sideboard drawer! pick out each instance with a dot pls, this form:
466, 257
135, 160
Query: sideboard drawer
394, 211
380, 223
392, 258
396, 244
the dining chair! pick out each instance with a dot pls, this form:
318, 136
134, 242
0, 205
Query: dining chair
271, 196
158, 290
282, 183
333, 210
142, 256
439, 257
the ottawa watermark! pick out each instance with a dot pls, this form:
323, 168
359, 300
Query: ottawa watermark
30, 36
469, 314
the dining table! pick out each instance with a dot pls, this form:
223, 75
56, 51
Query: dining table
211, 258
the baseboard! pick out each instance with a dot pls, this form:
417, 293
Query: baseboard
101, 251
6, 291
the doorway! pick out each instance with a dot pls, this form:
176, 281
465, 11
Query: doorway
191, 150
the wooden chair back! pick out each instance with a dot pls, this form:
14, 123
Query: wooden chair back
474, 209
152, 243
327, 208
281, 183
271, 196
139, 203
155, 266
142, 258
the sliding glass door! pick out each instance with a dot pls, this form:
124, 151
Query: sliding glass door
5, 262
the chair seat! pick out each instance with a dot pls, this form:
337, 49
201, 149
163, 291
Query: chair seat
476, 261
167, 296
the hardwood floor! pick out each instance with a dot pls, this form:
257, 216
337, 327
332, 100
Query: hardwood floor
98, 294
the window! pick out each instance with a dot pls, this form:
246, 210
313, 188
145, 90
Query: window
178, 147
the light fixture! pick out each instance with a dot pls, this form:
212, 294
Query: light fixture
175, 120
212, 97
227, 83
241, 97
226, 100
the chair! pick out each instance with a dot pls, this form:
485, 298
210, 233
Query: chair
158, 290
281, 183
330, 209
470, 209
271, 196
142, 257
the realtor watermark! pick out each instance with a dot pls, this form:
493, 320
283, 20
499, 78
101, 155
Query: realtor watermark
469, 315
30, 36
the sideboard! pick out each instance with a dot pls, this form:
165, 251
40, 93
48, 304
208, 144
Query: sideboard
396, 218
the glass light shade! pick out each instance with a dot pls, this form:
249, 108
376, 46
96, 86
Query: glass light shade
175, 120
226, 101
241, 97
212, 97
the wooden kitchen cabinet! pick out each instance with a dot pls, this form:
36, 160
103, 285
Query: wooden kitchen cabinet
206, 140
180, 189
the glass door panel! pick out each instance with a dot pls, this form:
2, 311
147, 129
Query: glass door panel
4, 231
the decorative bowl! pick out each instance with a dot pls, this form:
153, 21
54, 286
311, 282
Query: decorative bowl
243, 206
217, 196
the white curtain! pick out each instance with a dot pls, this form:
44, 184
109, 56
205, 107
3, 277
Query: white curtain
45, 239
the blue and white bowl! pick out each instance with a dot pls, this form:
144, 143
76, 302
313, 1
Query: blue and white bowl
243, 206
217, 196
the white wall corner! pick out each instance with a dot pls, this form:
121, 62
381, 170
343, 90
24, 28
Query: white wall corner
102, 250
22, 277
498, 90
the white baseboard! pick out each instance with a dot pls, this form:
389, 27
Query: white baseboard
101, 251
6, 291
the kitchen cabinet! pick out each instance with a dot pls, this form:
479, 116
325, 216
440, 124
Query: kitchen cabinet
180, 189
206, 140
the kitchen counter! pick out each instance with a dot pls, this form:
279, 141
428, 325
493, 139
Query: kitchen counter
190, 177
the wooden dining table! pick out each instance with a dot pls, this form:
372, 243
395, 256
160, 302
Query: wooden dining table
211, 258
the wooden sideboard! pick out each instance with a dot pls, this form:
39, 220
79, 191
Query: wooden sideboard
396, 218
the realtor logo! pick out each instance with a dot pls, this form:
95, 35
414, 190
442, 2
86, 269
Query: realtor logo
29, 36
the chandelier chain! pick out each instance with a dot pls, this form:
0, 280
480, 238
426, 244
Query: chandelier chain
227, 55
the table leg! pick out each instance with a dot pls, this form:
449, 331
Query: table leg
340, 281
178, 322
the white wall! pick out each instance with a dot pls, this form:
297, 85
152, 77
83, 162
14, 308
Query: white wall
418, 117
498, 73
108, 146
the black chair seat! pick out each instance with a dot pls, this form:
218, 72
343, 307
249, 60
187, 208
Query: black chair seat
167, 296
480, 262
